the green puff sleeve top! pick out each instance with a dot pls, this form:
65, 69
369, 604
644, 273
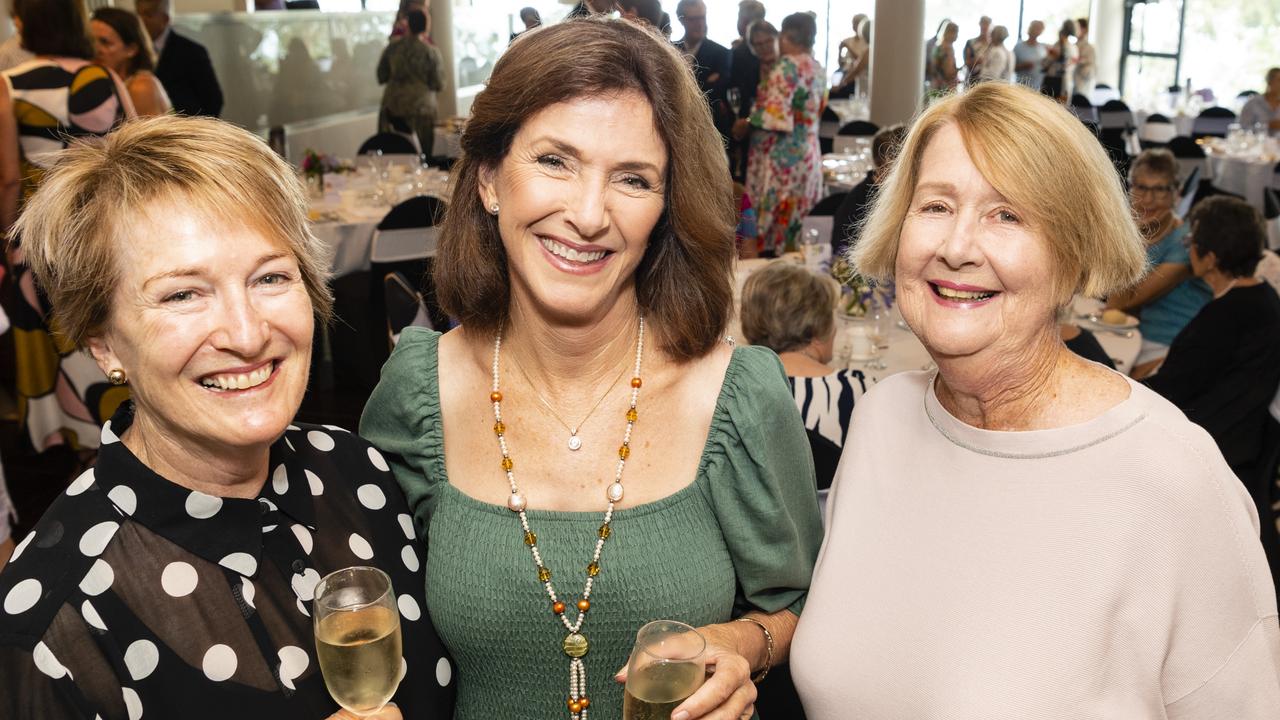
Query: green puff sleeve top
744, 534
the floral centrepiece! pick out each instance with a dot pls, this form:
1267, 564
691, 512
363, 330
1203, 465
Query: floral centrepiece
316, 165
859, 295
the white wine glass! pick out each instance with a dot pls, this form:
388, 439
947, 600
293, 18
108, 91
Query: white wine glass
668, 663
357, 627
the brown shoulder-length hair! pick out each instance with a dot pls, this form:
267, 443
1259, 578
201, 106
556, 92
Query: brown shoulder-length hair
55, 27
129, 27
683, 281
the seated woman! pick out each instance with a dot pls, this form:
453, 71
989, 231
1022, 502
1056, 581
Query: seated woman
176, 577
122, 44
788, 309
592, 280
1168, 297
1223, 369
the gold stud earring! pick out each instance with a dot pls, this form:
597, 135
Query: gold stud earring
117, 377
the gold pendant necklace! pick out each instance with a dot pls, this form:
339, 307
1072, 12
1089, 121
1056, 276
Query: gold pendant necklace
575, 442
575, 644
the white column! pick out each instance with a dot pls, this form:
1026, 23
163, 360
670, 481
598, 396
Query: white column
897, 61
1106, 32
442, 36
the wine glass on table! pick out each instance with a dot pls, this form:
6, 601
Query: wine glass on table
357, 628
878, 329
668, 663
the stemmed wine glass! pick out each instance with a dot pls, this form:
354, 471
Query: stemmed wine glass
357, 628
879, 331
668, 663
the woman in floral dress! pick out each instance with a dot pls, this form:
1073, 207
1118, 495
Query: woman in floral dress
784, 170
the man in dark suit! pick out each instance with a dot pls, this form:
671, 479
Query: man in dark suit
184, 68
586, 8
712, 62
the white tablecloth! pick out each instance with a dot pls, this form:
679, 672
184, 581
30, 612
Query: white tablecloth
1245, 176
905, 352
348, 216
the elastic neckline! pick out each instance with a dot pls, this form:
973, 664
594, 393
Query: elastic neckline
1033, 444
727, 389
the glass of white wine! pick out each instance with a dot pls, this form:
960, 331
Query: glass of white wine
357, 630
668, 663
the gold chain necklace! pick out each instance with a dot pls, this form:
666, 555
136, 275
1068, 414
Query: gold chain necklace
575, 442
575, 644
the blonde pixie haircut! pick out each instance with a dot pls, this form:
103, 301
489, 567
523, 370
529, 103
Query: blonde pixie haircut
1046, 164
785, 307
94, 196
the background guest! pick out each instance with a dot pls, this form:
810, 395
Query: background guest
531, 19
587, 8
975, 50
784, 172
175, 577
854, 59
12, 54
853, 209
1059, 64
1223, 368
744, 81
943, 75
997, 63
789, 310
182, 64
1024, 517
413, 71
648, 12
39, 120
712, 62
572, 260
122, 45
1028, 56
1168, 296
1085, 76
1263, 109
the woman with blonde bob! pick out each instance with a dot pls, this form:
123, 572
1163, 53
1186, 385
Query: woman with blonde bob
1025, 533
176, 577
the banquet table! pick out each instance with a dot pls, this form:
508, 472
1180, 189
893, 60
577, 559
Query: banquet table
1245, 175
345, 218
902, 351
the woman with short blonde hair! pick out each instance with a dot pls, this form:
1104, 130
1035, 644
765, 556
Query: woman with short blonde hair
1022, 516
176, 577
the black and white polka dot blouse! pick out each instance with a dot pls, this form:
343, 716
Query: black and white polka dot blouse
135, 597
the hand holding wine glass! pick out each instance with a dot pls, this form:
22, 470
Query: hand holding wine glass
668, 663
726, 693
357, 629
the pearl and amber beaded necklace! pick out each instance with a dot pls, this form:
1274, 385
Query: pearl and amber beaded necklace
575, 644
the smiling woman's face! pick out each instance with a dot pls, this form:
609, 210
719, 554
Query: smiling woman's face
213, 326
579, 193
972, 276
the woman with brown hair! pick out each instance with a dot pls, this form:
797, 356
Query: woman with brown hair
122, 44
586, 453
